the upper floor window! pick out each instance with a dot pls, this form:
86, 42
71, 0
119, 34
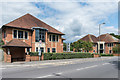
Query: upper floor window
26, 35
53, 38
40, 35
50, 39
57, 38
20, 34
110, 44
15, 34
4, 34
94, 45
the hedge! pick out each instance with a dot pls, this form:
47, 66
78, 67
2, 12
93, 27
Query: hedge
53, 56
33, 53
107, 55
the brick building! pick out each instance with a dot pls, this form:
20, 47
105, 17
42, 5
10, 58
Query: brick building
104, 45
23, 35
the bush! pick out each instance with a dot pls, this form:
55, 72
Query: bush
53, 56
33, 53
106, 54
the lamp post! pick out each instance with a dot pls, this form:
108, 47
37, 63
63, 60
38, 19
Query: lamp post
99, 38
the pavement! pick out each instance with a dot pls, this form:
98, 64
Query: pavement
103, 67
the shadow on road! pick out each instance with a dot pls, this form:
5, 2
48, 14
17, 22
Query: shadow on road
116, 64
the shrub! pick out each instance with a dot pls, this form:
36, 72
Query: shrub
33, 53
53, 56
106, 54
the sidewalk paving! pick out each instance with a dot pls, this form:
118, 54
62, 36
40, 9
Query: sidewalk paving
51, 62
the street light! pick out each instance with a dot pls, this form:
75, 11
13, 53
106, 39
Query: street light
99, 37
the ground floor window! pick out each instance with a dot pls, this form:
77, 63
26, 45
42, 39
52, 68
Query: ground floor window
93, 51
36, 49
110, 51
48, 49
53, 50
28, 49
42, 49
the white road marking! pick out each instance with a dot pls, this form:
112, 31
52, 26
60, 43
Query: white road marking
45, 76
2, 68
87, 67
105, 63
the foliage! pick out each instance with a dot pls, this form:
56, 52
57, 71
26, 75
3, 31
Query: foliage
64, 46
78, 45
1, 42
117, 36
33, 53
116, 49
87, 46
53, 56
106, 54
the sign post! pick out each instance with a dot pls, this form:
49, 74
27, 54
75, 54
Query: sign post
40, 42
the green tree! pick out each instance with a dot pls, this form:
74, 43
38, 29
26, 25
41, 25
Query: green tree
117, 36
77, 45
64, 46
116, 49
1, 42
87, 46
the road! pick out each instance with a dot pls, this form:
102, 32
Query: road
89, 68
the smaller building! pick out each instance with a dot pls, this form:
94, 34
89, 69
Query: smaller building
102, 44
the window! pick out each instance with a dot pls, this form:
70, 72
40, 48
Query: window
20, 34
50, 38
4, 34
28, 49
110, 44
94, 45
48, 49
110, 51
53, 38
26, 35
36, 49
57, 38
39, 35
93, 51
42, 49
15, 34
53, 50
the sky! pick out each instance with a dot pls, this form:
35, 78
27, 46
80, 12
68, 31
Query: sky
74, 18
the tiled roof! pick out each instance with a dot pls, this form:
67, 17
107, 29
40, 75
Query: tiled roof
16, 43
108, 38
28, 21
90, 38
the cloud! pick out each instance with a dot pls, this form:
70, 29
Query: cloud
75, 19
13, 10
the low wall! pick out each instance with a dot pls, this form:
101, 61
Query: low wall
96, 55
116, 54
34, 58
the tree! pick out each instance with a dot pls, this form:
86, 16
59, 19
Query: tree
116, 49
117, 36
64, 46
87, 46
77, 45
1, 42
